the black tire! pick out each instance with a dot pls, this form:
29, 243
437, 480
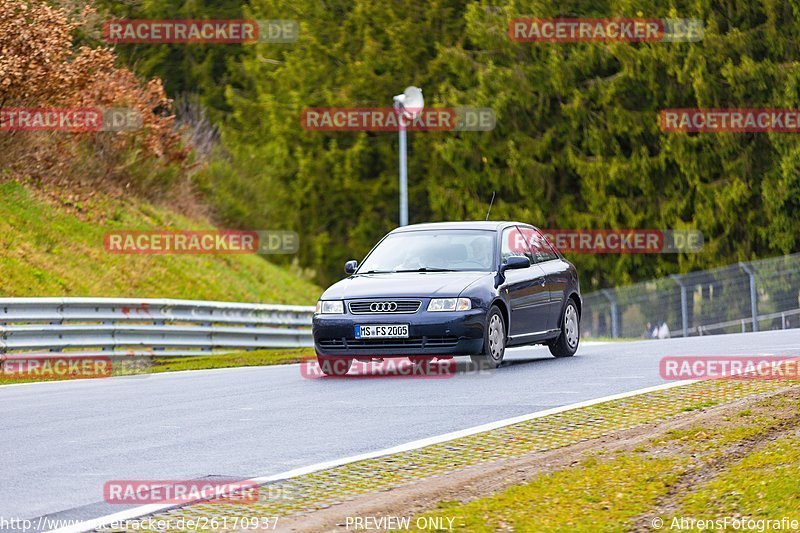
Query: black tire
567, 342
494, 340
334, 366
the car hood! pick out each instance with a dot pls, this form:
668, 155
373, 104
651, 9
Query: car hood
406, 284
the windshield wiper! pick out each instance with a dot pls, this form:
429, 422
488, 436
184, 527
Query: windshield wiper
428, 269
377, 272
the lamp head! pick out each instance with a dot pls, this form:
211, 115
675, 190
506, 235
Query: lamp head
410, 103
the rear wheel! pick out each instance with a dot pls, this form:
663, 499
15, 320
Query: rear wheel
334, 366
494, 340
567, 342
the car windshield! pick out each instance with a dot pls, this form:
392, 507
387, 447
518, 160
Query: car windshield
432, 251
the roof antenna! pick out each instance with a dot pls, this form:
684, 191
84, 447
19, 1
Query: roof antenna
490, 207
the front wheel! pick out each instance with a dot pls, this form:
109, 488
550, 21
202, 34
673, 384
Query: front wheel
567, 342
334, 366
494, 340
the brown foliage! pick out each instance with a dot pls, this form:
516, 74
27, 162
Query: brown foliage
39, 67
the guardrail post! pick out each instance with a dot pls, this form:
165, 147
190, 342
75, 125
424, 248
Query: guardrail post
59, 322
108, 348
753, 294
211, 337
684, 305
614, 313
155, 347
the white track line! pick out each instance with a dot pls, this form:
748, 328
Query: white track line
413, 445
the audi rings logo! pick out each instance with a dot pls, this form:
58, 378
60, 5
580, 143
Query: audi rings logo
383, 307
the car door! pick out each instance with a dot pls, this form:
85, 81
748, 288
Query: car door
526, 290
556, 272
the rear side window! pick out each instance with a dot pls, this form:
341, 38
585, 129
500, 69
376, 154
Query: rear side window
540, 249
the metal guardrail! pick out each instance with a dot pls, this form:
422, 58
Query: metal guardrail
158, 326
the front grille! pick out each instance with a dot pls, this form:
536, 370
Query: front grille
411, 342
368, 307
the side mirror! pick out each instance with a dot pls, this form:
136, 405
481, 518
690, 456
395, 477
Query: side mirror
515, 262
351, 266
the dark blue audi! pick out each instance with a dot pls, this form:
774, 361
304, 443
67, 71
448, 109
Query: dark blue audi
450, 288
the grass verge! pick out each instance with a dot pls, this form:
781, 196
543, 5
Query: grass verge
200, 362
594, 496
253, 358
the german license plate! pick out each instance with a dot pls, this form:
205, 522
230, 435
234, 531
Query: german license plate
382, 331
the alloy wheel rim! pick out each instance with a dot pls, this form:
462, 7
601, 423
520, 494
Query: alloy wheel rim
571, 326
495, 337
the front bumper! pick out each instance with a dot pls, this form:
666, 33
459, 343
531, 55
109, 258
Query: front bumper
429, 333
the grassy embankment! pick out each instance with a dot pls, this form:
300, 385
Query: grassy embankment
50, 246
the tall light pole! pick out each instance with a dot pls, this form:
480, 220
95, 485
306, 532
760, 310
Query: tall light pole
407, 105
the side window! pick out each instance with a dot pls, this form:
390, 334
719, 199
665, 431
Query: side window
515, 243
541, 248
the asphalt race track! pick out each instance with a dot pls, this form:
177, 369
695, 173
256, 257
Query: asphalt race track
60, 442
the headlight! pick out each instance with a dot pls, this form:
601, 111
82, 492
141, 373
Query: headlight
330, 307
450, 304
